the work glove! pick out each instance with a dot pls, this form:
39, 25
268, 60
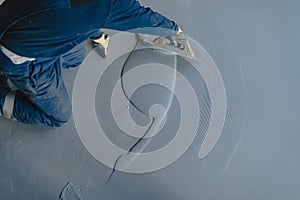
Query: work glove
102, 44
179, 30
175, 41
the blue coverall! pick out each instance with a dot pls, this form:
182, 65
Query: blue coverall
53, 32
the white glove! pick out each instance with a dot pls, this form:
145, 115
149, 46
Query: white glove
102, 44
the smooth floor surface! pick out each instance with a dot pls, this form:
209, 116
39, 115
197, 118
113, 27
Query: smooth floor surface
254, 45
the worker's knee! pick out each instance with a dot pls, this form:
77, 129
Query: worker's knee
53, 112
74, 57
72, 64
61, 118
53, 102
59, 123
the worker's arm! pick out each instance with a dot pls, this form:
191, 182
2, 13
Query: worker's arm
130, 15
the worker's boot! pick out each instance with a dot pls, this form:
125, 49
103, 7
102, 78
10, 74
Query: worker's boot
4, 90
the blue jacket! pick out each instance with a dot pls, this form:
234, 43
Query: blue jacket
49, 28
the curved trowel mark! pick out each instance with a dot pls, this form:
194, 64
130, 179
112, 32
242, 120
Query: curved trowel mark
214, 81
217, 93
216, 88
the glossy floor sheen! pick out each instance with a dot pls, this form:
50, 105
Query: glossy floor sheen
255, 46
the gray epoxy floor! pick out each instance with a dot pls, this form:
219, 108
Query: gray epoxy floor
257, 154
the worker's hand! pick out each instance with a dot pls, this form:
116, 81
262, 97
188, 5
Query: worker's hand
102, 44
176, 40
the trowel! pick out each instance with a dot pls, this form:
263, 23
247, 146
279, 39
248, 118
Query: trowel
174, 44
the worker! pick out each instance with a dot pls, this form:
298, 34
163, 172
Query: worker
39, 37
